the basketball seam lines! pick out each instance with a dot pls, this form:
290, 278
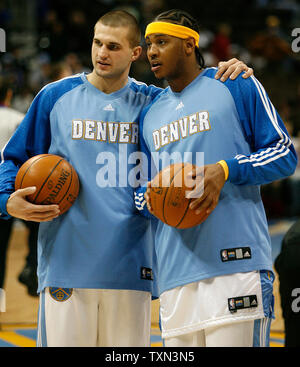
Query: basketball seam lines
186, 209
47, 180
28, 169
163, 211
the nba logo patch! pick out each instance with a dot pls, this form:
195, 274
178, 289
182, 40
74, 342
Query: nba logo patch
60, 294
237, 253
238, 303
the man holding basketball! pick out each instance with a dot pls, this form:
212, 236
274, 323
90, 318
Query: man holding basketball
215, 279
95, 262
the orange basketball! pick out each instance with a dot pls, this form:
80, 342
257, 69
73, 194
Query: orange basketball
167, 197
55, 179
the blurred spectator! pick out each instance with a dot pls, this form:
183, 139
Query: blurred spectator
281, 198
78, 33
221, 45
74, 63
60, 70
284, 110
205, 41
277, 199
151, 8
9, 118
270, 44
13, 67
288, 269
52, 37
22, 100
132, 7
295, 108
9, 121
40, 72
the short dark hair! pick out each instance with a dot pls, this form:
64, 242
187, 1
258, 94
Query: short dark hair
181, 17
121, 18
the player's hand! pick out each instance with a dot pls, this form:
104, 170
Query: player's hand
232, 69
205, 196
147, 197
17, 206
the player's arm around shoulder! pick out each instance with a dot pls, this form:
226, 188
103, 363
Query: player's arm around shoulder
232, 69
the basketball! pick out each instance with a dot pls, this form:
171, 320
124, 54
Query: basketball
55, 179
167, 197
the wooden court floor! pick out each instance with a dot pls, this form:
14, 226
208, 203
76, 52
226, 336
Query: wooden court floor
18, 323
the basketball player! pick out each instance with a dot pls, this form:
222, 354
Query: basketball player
215, 279
94, 262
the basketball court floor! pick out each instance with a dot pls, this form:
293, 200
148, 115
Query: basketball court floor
18, 323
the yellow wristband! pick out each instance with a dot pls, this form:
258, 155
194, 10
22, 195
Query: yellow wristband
225, 168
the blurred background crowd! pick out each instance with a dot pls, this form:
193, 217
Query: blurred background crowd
50, 39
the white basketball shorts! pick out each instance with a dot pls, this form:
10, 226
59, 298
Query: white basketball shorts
218, 301
94, 317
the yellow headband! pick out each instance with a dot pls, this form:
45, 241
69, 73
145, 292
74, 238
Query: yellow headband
172, 29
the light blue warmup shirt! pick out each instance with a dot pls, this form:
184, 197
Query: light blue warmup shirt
102, 241
233, 121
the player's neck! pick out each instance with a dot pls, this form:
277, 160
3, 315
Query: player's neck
184, 79
107, 85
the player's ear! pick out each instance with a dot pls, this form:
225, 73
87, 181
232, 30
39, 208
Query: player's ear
136, 53
189, 45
